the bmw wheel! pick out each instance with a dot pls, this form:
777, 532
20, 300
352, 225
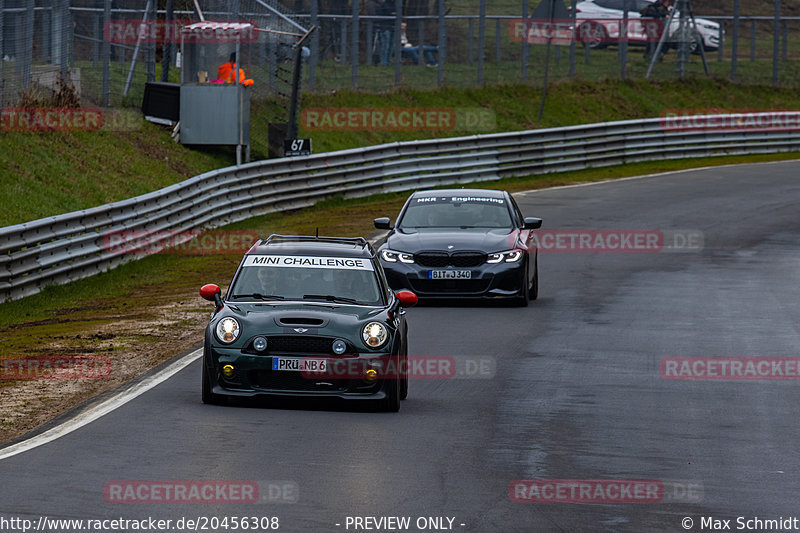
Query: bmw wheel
524, 290
534, 292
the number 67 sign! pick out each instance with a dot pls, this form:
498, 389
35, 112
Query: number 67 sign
292, 147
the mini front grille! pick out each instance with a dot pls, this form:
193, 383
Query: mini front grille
296, 381
301, 345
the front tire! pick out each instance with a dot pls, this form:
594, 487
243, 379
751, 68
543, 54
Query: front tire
404, 379
208, 396
534, 292
696, 45
391, 403
593, 35
524, 298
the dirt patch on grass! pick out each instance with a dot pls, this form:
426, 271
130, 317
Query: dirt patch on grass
132, 342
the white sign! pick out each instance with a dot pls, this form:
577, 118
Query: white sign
296, 261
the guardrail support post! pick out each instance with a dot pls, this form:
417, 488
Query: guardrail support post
354, 46
481, 39
312, 61
735, 38
776, 39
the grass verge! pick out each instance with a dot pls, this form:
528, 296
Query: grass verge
48, 173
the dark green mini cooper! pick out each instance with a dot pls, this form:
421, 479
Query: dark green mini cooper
308, 316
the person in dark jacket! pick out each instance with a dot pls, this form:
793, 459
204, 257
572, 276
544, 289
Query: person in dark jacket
658, 11
385, 30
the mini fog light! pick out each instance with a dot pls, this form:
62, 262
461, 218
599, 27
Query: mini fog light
227, 371
339, 346
259, 344
371, 374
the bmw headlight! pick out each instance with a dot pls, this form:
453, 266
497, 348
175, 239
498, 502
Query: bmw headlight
228, 330
392, 256
374, 335
511, 256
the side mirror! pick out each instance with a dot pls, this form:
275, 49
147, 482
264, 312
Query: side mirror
407, 298
383, 223
532, 223
211, 292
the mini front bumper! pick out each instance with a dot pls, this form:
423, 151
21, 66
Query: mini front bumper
253, 376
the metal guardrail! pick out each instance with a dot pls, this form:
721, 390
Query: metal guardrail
71, 246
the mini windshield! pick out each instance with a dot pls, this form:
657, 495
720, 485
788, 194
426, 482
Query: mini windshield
330, 279
456, 212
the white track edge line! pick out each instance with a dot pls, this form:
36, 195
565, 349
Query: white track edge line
103, 408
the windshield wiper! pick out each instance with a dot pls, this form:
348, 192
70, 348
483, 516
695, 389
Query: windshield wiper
259, 296
330, 298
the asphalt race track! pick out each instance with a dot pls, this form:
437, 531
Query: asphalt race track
573, 391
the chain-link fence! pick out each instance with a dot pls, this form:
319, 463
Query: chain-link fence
108, 49
479, 42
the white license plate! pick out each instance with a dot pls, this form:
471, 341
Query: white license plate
298, 364
449, 274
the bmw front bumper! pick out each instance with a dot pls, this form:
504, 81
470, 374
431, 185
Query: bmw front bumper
489, 280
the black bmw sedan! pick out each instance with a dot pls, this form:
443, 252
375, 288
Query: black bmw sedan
471, 243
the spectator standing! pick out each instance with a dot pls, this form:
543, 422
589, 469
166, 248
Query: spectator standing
658, 11
385, 30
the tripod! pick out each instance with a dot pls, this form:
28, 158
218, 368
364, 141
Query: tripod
687, 31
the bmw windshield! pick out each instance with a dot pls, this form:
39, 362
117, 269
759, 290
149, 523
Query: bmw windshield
331, 279
455, 212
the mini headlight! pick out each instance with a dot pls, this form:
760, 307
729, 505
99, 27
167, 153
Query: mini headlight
228, 330
339, 346
392, 256
259, 344
511, 256
374, 335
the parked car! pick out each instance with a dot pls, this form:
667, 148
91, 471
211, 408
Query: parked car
599, 23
